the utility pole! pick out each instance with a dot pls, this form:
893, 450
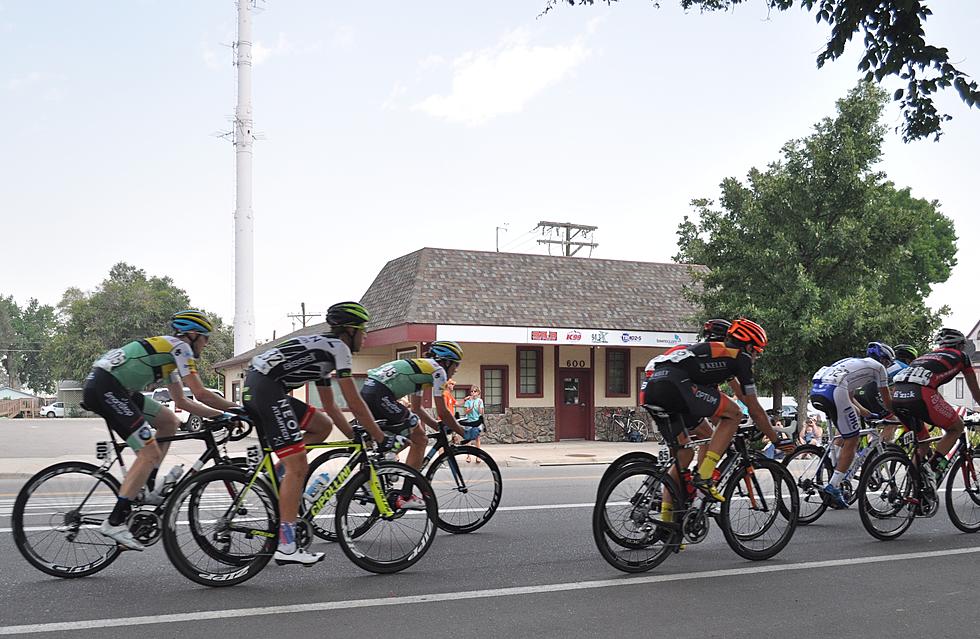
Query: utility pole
504, 229
244, 253
302, 315
571, 232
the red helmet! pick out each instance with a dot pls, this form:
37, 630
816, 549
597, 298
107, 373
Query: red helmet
751, 336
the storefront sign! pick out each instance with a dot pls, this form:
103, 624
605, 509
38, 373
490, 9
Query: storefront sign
541, 335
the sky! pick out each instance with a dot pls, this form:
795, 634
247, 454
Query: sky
389, 126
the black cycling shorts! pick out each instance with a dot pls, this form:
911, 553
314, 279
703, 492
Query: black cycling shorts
122, 409
384, 405
280, 417
684, 401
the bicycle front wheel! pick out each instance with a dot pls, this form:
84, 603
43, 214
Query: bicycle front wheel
221, 527
639, 427
55, 518
885, 496
760, 511
385, 543
468, 487
811, 470
963, 494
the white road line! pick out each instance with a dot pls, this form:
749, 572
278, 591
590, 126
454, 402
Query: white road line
86, 624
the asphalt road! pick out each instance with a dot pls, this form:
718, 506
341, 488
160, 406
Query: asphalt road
532, 571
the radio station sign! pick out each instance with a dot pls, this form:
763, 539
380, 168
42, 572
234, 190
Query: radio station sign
578, 336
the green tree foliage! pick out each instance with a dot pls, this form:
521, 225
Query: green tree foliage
127, 305
894, 46
23, 333
822, 249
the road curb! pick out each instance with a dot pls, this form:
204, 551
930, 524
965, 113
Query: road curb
16, 475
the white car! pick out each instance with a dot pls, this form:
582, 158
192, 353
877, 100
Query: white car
56, 409
189, 422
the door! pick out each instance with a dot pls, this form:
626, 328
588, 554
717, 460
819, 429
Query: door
574, 403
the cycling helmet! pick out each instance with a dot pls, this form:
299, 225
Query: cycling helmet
191, 320
447, 351
714, 330
748, 335
952, 338
347, 314
881, 352
905, 353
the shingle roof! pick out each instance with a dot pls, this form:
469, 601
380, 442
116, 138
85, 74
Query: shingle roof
446, 286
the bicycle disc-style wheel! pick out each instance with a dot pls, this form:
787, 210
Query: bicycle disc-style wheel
885, 496
963, 494
385, 544
635, 457
220, 527
331, 462
468, 492
810, 469
55, 517
628, 524
760, 511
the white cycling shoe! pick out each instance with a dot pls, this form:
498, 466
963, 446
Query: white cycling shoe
300, 557
120, 534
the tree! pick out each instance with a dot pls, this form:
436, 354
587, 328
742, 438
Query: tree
23, 333
894, 46
126, 306
821, 249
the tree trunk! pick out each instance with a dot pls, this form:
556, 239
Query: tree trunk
803, 385
777, 397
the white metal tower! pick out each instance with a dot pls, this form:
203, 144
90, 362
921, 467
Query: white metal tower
244, 258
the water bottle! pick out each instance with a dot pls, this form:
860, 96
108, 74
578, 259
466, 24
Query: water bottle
319, 484
689, 484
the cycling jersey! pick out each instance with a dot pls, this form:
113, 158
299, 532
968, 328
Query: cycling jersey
410, 376
303, 359
149, 360
917, 399
710, 363
653, 362
852, 373
936, 368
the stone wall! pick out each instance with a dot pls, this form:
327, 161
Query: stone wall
520, 426
605, 430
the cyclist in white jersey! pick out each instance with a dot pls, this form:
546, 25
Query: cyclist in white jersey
833, 392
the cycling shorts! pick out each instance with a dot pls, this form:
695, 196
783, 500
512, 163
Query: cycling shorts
918, 406
125, 412
280, 417
835, 401
385, 406
685, 402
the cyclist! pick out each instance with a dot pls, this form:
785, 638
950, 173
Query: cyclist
281, 418
112, 390
685, 383
905, 353
833, 391
918, 401
869, 398
388, 383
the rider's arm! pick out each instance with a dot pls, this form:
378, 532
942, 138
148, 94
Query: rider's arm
757, 413
416, 401
207, 402
356, 405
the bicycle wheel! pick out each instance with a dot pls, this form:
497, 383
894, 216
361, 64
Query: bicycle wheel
885, 496
628, 524
468, 493
638, 426
810, 469
55, 517
963, 494
760, 511
635, 457
379, 543
330, 462
221, 527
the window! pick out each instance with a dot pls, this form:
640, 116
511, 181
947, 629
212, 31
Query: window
530, 368
494, 386
236, 392
959, 387
617, 372
406, 353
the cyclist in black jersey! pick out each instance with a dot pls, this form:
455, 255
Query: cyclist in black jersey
281, 419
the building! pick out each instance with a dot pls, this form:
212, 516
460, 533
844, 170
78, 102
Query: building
956, 391
553, 342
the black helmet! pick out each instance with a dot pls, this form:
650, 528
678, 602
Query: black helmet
347, 314
906, 353
952, 338
714, 330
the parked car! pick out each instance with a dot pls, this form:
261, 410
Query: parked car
188, 422
56, 409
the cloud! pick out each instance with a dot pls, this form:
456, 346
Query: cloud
502, 79
261, 52
24, 81
343, 37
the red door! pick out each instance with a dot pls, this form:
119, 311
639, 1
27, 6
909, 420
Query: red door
574, 403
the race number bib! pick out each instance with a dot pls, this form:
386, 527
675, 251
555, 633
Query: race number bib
112, 359
674, 357
385, 373
268, 360
831, 375
914, 375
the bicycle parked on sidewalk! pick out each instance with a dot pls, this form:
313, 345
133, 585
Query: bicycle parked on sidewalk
58, 510
893, 492
757, 518
630, 427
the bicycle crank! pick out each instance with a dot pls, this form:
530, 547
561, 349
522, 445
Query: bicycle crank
695, 525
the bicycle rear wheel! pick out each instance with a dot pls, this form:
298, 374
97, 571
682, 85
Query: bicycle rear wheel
468, 493
221, 527
640, 427
332, 462
760, 511
385, 544
55, 517
885, 496
810, 469
628, 524
963, 494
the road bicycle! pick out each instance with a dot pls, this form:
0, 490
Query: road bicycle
893, 491
221, 526
757, 518
467, 492
630, 427
57, 512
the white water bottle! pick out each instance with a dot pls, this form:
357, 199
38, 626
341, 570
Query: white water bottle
313, 492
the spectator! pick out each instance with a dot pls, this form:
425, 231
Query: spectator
472, 421
770, 450
450, 398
